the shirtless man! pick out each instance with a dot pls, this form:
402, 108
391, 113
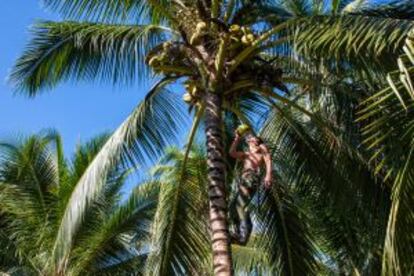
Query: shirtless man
257, 156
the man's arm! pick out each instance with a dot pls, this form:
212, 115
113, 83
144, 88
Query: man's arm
268, 163
233, 148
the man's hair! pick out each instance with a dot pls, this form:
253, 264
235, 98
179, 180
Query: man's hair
248, 136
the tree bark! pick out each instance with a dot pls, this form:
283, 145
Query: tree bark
222, 260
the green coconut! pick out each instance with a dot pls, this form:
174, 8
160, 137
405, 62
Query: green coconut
234, 28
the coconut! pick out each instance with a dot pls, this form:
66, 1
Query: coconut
194, 91
246, 30
166, 45
243, 129
154, 61
234, 28
244, 40
250, 37
187, 98
201, 26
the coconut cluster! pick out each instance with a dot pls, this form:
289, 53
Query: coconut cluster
193, 91
169, 55
243, 35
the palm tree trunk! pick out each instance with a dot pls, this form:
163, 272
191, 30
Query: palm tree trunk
222, 260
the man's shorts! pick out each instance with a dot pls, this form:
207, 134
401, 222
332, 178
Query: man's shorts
250, 179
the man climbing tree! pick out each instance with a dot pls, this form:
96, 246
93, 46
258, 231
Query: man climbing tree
253, 160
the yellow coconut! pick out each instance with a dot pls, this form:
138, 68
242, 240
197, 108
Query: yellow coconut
244, 40
194, 91
187, 98
201, 26
154, 61
166, 45
188, 86
250, 38
243, 129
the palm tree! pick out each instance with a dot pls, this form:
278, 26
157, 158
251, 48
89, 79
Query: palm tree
36, 184
224, 52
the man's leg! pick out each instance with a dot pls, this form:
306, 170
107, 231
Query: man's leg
243, 220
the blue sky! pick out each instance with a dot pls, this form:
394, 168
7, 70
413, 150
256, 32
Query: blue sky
77, 110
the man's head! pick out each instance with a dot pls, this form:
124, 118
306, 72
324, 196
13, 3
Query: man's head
253, 142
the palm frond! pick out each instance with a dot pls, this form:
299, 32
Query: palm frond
142, 136
30, 165
287, 239
395, 9
297, 7
112, 11
387, 119
61, 51
356, 40
129, 220
28, 181
326, 171
180, 242
254, 13
250, 259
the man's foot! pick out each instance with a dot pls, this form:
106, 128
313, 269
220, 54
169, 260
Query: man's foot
234, 237
245, 230
238, 239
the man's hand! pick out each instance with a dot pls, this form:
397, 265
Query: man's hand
268, 182
233, 148
236, 135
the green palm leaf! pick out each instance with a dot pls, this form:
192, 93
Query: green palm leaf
287, 239
130, 220
353, 39
387, 119
137, 139
62, 51
180, 242
251, 259
107, 10
327, 171
112, 234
